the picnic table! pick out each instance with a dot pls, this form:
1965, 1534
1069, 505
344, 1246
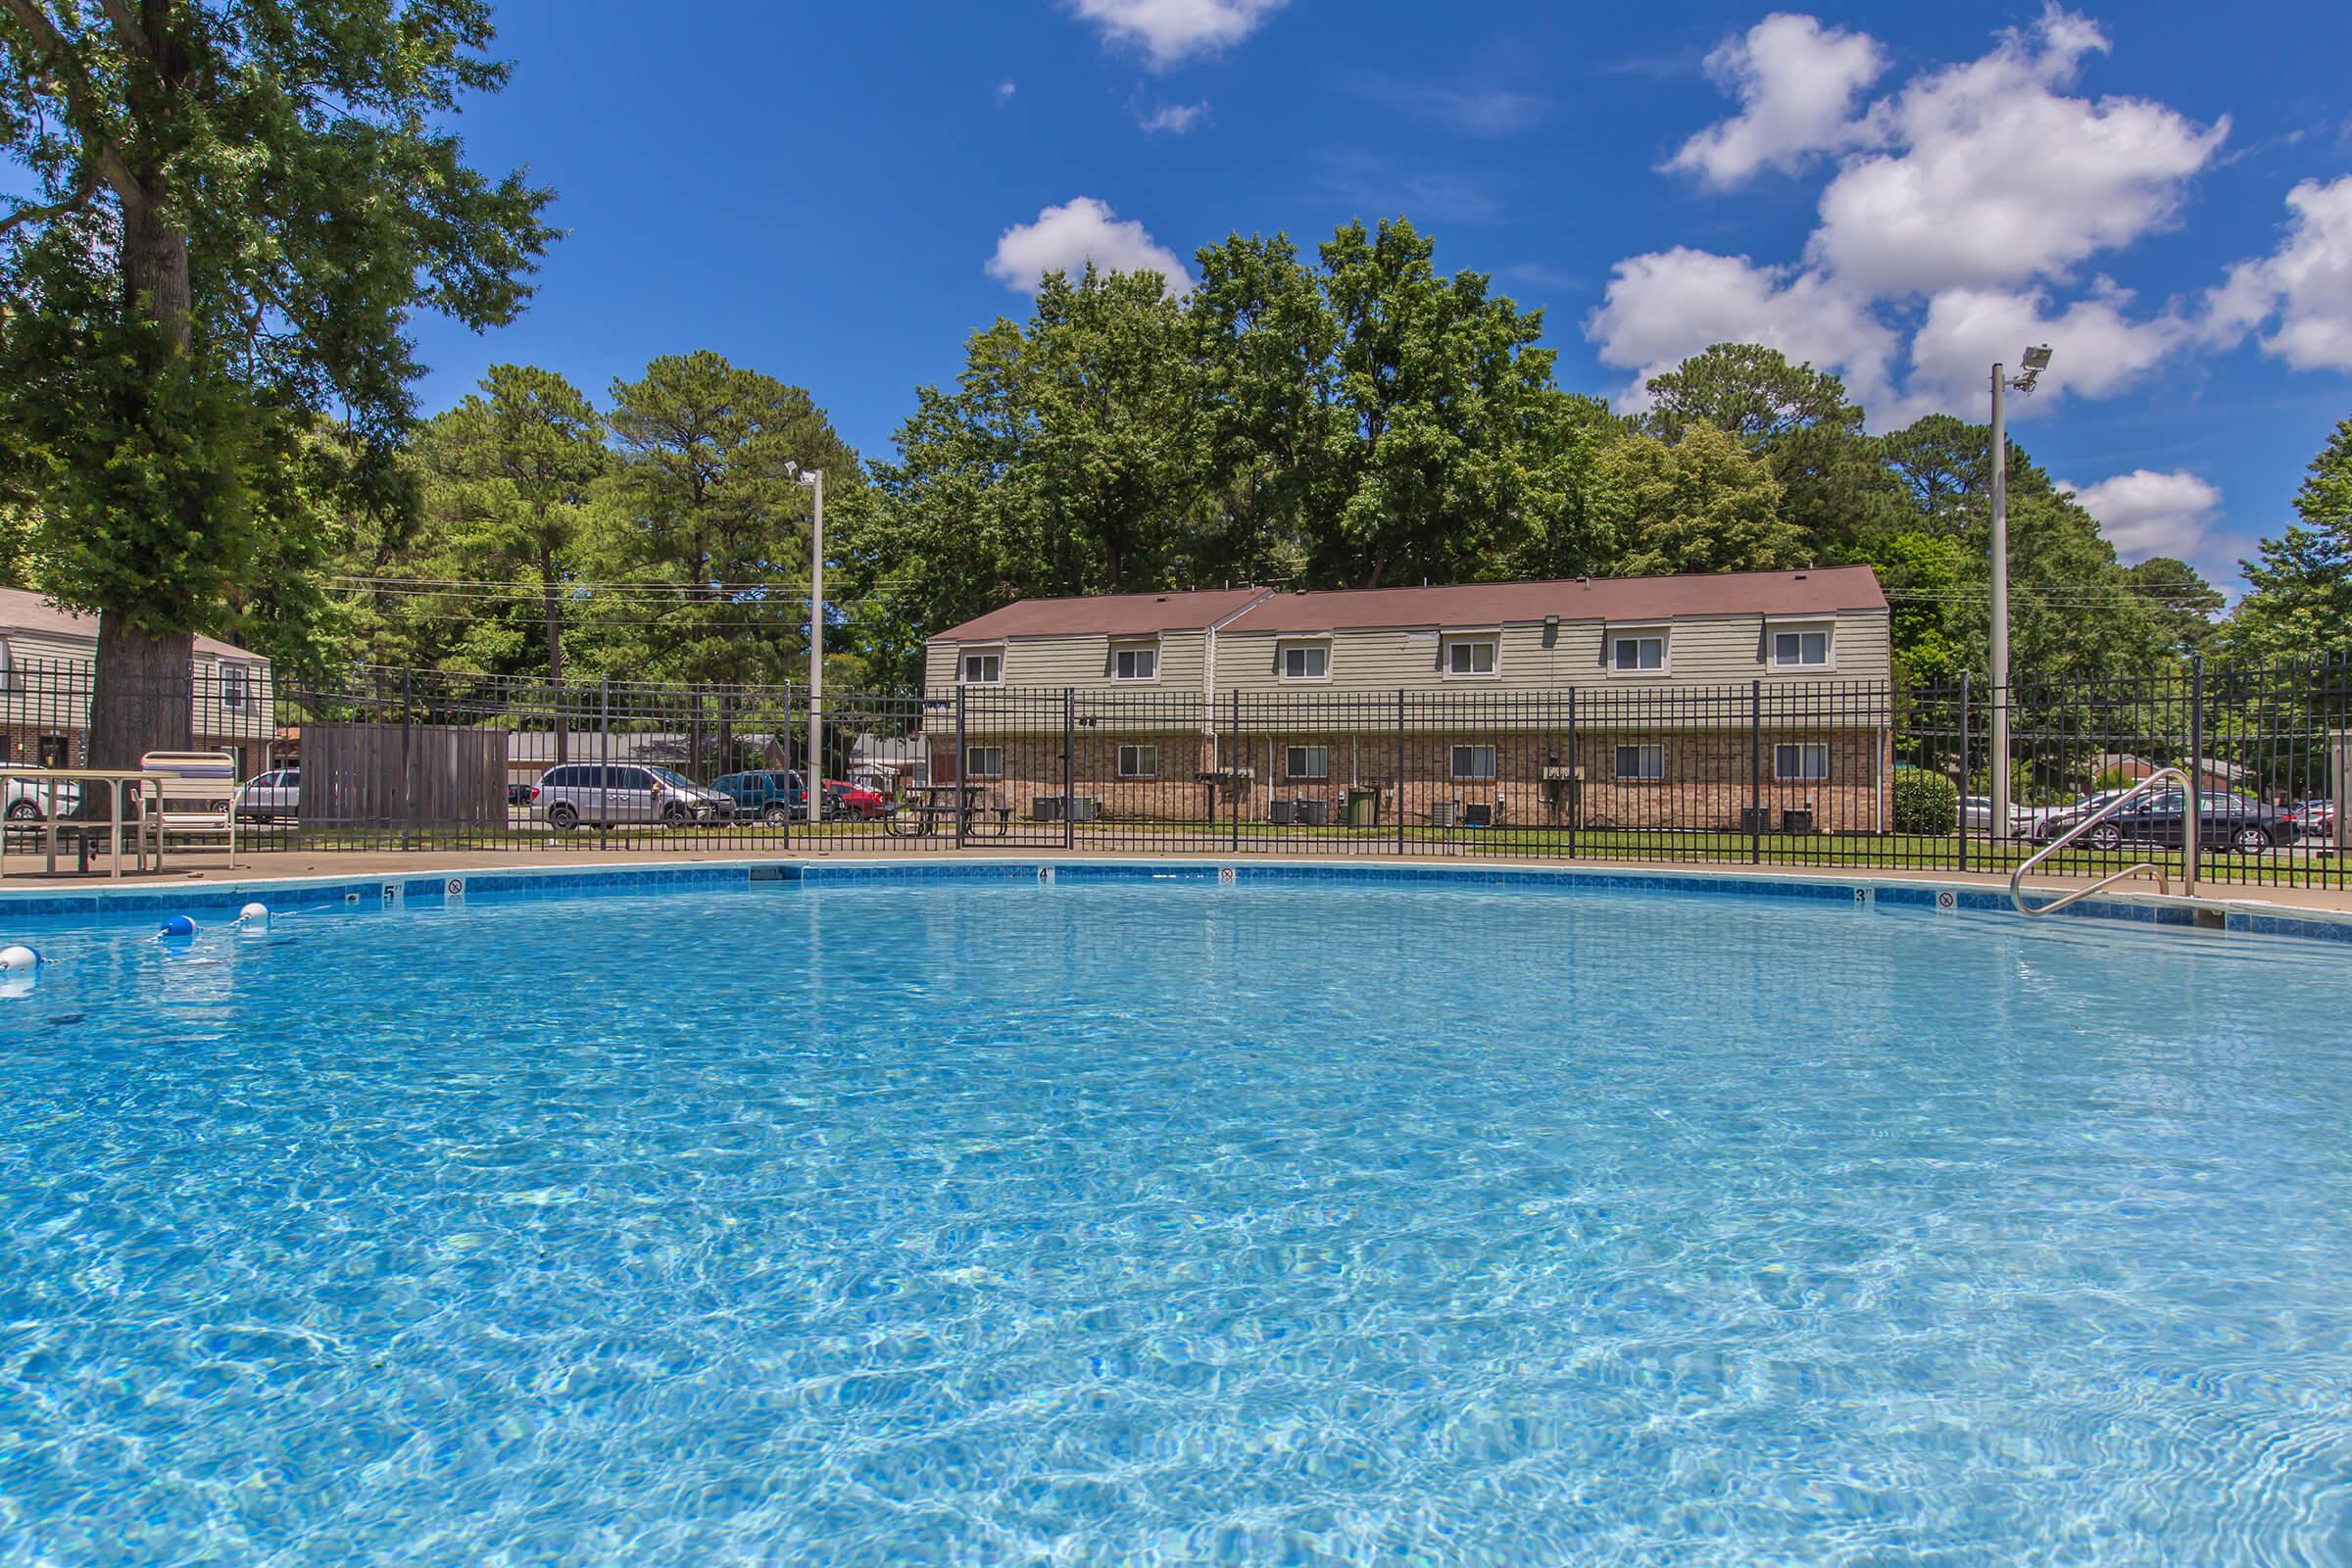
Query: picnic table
123, 787
966, 809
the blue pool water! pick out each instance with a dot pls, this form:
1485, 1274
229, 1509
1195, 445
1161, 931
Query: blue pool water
1176, 1224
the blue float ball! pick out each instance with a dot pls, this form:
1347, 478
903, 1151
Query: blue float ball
179, 925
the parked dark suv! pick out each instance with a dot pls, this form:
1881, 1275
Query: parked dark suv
2225, 822
766, 794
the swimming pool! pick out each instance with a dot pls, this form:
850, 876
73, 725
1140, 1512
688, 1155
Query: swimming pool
1175, 1222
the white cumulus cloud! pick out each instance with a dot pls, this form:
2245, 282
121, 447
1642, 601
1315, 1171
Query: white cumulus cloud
1990, 174
2099, 348
1797, 82
1660, 308
1064, 238
1173, 119
1169, 32
2147, 513
2304, 287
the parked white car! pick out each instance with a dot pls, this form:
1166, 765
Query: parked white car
267, 797
1976, 816
30, 799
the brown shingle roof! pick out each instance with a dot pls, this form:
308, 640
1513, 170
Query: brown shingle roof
1814, 592
1104, 615
26, 611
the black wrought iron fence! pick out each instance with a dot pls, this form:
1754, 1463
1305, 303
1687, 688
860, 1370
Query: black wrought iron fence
1849, 773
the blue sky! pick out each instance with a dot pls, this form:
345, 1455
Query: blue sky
839, 195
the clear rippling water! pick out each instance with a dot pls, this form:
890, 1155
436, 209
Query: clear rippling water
1173, 1224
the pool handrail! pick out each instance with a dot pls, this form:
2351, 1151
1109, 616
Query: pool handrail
2162, 775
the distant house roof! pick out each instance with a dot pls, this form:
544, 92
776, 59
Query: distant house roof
21, 611
1813, 592
1106, 615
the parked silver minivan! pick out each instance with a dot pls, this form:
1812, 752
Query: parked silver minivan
607, 794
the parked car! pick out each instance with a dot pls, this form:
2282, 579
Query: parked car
2046, 822
518, 795
30, 799
610, 794
2223, 822
854, 801
764, 795
267, 797
1976, 816
2313, 819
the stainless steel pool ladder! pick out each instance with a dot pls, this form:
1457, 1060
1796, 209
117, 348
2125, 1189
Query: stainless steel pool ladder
2192, 827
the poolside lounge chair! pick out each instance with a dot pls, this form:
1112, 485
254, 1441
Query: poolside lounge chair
199, 791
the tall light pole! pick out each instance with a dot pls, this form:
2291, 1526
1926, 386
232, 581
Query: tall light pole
812, 787
2037, 360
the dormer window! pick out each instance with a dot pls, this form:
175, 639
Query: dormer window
1799, 647
1470, 655
1638, 653
1305, 660
1135, 661
982, 667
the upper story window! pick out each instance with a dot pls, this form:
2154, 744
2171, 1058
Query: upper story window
1137, 662
1800, 648
236, 684
1470, 655
1638, 653
1305, 660
982, 667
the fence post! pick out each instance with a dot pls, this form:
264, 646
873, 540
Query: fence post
1070, 768
603, 719
2192, 820
1573, 786
787, 770
1964, 773
407, 777
1232, 769
1755, 772
1400, 770
961, 783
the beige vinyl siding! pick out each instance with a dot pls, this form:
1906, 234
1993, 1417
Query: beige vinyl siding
1711, 650
1082, 662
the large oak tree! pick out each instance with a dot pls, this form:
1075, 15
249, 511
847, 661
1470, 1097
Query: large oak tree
240, 203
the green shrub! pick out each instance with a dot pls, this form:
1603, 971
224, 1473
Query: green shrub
1926, 802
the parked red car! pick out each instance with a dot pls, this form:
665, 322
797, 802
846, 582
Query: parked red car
2314, 819
854, 800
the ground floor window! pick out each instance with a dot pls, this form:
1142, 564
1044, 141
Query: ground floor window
1641, 763
1801, 761
1139, 761
984, 761
1306, 761
1474, 763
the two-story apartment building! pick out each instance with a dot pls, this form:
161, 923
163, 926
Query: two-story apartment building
47, 657
1635, 702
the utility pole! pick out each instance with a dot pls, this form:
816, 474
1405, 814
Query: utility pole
2036, 361
814, 786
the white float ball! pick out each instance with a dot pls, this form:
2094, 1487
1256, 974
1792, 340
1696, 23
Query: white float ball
15, 959
254, 915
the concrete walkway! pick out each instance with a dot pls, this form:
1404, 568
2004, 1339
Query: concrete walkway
212, 866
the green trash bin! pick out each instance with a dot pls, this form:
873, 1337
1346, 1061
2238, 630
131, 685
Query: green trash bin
1363, 807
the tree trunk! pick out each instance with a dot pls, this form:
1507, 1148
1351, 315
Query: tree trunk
143, 699
143, 690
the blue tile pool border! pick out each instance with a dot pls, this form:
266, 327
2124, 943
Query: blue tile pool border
414, 890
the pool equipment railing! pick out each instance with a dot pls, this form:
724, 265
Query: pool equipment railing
2192, 827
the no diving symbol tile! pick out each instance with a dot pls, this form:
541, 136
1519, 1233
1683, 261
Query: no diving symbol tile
1947, 901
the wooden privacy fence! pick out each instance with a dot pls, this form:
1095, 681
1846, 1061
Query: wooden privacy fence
403, 774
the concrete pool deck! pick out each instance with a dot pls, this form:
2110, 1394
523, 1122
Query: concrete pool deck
198, 867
